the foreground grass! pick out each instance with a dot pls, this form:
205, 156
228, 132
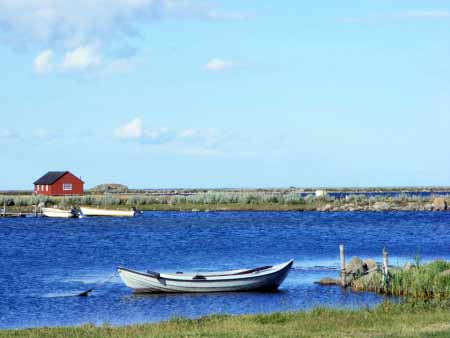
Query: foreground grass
386, 320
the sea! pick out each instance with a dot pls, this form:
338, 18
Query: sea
46, 262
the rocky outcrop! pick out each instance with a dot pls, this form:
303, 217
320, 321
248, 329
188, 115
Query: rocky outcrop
109, 188
327, 281
370, 264
380, 206
439, 204
355, 270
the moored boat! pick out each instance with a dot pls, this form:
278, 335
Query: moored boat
266, 278
59, 213
107, 212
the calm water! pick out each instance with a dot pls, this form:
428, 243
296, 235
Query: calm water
45, 261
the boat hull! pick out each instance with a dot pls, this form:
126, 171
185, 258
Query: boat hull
91, 212
267, 280
58, 213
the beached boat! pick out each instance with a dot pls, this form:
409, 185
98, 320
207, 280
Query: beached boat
107, 212
266, 278
59, 213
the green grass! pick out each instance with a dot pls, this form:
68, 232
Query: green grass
386, 320
272, 200
420, 282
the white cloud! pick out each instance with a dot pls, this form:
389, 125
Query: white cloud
206, 137
8, 134
132, 130
406, 15
81, 58
425, 14
217, 64
184, 141
43, 62
68, 24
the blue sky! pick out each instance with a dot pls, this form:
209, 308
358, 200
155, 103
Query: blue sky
185, 93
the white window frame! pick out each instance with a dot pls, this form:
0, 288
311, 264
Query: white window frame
46, 187
67, 186
37, 187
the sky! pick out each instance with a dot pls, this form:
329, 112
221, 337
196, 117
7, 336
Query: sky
211, 94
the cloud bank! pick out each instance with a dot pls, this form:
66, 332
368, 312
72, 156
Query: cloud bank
191, 140
71, 24
89, 34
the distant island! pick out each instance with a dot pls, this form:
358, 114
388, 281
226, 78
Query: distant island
114, 195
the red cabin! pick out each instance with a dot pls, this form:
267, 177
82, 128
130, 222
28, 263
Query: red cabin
57, 183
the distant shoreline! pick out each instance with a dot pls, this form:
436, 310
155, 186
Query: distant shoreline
204, 200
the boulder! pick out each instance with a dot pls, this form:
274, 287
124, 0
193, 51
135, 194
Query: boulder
407, 267
109, 188
355, 266
370, 264
327, 207
445, 273
428, 207
439, 204
380, 206
327, 281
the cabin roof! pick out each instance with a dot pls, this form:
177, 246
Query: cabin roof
51, 177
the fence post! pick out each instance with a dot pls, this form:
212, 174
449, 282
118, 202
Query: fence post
343, 272
385, 262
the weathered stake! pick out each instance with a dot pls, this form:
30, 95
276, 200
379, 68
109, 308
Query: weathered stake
343, 272
385, 262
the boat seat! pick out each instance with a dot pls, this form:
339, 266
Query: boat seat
154, 274
199, 277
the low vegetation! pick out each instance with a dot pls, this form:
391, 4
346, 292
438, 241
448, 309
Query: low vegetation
386, 320
288, 199
428, 281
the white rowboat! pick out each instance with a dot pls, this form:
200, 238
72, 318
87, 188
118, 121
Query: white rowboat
105, 212
267, 278
59, 213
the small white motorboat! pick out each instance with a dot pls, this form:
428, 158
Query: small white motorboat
108, 212
266, 278
59, 213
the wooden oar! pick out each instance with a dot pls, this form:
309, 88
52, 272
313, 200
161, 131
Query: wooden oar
86, 293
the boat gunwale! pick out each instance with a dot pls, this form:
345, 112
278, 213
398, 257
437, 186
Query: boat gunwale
228, 278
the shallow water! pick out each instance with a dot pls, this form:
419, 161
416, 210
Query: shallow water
44, 262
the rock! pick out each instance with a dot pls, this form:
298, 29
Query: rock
327, 281
445, 273
327, 207
109, 188
408, 266
380, 206
439, 204
355, 266
370, 264
428, 207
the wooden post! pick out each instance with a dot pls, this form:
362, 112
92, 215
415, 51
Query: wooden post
343, 272
4, 208
385, 262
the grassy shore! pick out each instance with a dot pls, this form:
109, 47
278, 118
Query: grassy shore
386, 320
282, 200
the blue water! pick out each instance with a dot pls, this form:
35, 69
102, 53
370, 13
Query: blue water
46, 261
422, 194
